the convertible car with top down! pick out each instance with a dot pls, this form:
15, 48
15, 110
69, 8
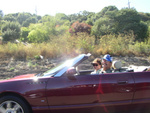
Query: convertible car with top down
67, 89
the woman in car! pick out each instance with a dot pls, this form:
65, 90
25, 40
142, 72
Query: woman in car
97, 66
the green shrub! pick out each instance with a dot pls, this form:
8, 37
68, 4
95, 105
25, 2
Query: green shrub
115, 44
11, 31
140, 49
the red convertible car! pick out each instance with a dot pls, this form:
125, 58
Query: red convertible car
65, 89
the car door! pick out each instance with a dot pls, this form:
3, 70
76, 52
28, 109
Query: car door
116, 91
90, 91
142, 90
64, 93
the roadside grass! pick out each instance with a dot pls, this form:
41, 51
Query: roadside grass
117, 45
140, 49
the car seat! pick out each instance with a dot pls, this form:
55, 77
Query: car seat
116, 65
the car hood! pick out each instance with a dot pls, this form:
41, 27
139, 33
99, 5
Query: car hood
23, 76
20, 77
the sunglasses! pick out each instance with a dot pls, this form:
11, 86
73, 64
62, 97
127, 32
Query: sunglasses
95, 64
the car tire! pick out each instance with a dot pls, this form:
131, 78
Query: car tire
13, 104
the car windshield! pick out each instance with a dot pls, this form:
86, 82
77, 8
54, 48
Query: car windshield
68, 63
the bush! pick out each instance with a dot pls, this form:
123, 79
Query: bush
140, 49
115, 44
24, 34
77, 27
11, 31
38, 36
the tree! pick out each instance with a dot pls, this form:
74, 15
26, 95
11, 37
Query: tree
24, 34
37, 36
1, 14
105, 12
104, 22
37, 33
28, 21
46, 18
129, 19
11, 31
108, 9
73, 18
9, 18
82, 16
103, 26
42, 32
144, 16
126, 16
61, 19
22, 17
90, 21
140, 30
80, 27
61, 16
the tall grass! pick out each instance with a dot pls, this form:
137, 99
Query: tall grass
140, 49
115, 44
122, 44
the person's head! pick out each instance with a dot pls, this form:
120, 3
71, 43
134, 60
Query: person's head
97, 64
107, 62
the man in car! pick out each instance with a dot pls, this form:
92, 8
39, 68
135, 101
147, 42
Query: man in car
106, 64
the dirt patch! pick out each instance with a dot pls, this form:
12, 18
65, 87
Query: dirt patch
10, 68
138, 61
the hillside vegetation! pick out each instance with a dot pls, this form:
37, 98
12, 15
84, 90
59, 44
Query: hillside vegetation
124, 32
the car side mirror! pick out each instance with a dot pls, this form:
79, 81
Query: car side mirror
70, 73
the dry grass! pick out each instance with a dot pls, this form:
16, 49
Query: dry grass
77, 44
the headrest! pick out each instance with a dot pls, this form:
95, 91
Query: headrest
116, 64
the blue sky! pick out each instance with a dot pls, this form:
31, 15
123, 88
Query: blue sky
52, 7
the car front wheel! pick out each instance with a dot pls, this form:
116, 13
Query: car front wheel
13, 104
